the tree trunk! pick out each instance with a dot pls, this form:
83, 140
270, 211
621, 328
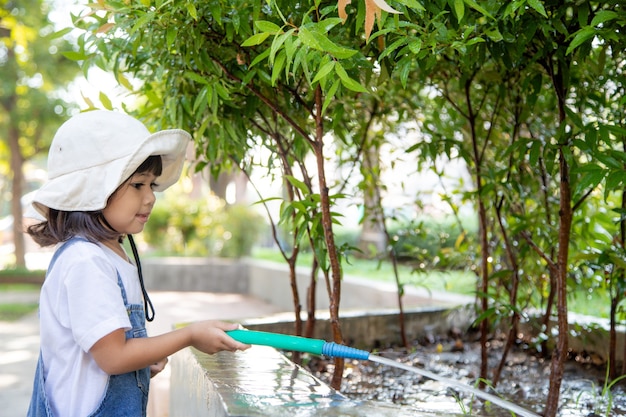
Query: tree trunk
484, 299
335, 295
484, 243
515, 316
613, 338
309, 328
560, 352
372, 240
17, 181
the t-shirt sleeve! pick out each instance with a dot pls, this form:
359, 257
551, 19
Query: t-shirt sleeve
95, 306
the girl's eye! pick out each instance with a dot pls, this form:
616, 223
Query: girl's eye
137, 185
153, 185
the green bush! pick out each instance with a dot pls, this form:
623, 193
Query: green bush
432, 242
240, 230
182, 226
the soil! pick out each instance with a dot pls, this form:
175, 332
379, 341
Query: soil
524, 381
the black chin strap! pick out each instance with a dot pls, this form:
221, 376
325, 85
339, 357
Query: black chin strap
147, 303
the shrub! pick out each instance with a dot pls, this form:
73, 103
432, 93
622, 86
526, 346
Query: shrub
183, 226
431, 242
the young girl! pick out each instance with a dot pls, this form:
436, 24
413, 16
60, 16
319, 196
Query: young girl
96, 358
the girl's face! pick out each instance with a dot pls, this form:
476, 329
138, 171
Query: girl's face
129, 207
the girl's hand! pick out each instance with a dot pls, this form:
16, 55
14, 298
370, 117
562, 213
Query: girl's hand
211, 337
157, 367
116, 355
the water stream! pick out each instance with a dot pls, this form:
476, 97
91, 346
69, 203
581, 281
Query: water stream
453, 383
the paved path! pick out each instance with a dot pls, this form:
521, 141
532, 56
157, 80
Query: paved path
19, 341
19, 348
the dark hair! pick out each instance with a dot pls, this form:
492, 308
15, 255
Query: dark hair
61, 226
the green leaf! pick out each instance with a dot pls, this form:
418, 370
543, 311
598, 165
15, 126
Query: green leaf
278, 66
537, 5
171, 36
260, 57
298, 184
494, 34
326, 68
415, 46
534, 152
478, 8
590, 179
326, 25
603, 16
414, 4
490, 312
121, 78
459, 9
142, 21
330, 95
216, 11
298, 59
277, 43
404, 68
320, 42
610, 161
615, 181
106, 102
222, 92
348, 82
475, 40
266, 26
291, 44
582, 36
61, 33
256, 39
398, 43
195, 77
74, 56
191, 9
200, 103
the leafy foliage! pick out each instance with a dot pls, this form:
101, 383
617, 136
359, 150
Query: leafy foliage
202, 227
528, 94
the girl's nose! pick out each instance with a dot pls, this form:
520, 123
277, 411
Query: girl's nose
151, 198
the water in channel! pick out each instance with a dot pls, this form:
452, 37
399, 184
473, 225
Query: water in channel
514, 408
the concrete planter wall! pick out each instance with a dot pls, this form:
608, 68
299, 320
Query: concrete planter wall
369, 318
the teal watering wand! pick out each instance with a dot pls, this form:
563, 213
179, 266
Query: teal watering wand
298, 344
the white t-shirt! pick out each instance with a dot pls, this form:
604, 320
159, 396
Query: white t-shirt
80, 303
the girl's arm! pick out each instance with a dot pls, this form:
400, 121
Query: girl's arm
116, 355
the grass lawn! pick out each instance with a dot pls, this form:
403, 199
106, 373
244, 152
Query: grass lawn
11, 310
15, 311
459, 282
456, 281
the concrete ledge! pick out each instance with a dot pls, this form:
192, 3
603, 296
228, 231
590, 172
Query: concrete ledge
196, 274
375, 328
261, 382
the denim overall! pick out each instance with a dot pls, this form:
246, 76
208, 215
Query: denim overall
126, 394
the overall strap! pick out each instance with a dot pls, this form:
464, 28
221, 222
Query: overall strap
62, 248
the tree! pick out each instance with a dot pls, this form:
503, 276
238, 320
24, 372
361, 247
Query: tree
499, 66
235, 91
32, 73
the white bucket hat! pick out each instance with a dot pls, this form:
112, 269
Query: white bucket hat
93, 153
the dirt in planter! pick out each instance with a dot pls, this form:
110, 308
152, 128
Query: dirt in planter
524, 381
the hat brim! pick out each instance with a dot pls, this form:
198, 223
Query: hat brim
170, 144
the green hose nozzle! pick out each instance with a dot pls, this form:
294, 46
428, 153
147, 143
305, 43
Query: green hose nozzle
297, 343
